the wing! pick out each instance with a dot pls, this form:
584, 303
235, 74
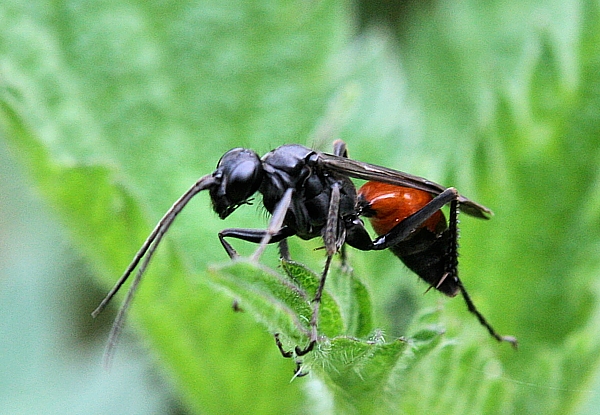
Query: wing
366, 171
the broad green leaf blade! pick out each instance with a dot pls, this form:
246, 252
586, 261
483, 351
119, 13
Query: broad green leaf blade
357, 370
361, 371
330, 317
282, 306
361, 311
366, 375
284, 303
354, 300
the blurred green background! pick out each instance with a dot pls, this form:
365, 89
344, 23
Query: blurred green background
110, 110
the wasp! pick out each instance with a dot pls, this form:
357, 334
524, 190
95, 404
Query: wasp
310, 194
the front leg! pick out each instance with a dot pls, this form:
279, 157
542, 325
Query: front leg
251, 235
276, 231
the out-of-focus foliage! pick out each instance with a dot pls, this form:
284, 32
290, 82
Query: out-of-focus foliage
115, 108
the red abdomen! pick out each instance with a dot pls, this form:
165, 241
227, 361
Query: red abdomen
388, 204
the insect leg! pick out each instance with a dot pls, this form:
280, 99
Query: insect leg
471, 306
288, 354
340, 149
276, 222
284, 250
284, 353
452, 272
403, 230
274, 233
251, 235
330, 238
256, 236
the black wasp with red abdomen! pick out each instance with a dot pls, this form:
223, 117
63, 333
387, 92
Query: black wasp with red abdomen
309, 194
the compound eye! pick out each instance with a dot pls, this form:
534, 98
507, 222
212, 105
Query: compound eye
242, 181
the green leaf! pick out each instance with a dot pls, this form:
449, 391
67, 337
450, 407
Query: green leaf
330, 318
284, 305
116, 108
358, 370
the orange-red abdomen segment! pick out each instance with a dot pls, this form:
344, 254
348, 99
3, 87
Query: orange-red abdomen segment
391, 204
